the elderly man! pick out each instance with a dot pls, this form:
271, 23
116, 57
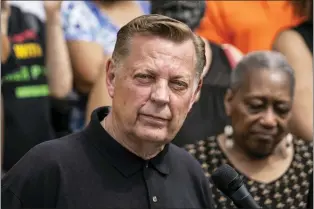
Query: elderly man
124, 158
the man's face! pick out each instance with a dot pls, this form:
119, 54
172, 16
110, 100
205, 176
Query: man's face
154, 88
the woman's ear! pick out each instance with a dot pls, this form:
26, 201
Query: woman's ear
196, 93
228, 101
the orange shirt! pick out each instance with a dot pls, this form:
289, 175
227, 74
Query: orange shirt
248, 25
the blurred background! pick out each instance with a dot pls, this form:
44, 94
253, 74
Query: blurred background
54, 54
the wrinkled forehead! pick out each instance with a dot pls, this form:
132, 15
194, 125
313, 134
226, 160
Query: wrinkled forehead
163, 54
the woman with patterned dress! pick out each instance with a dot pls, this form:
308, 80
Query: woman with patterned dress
276, 166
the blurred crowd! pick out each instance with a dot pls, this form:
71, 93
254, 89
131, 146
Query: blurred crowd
53, 60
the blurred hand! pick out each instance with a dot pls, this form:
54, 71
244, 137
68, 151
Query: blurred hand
5, 14
234, 54
52, 7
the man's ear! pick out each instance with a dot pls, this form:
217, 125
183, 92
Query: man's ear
110, 77
229, 96
196, 93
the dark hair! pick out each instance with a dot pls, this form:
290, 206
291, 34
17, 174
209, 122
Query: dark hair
303, 8
261, 60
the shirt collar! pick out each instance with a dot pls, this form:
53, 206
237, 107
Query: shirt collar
122, 159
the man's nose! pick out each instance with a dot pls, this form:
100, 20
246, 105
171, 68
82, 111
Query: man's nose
269, 119
160, 92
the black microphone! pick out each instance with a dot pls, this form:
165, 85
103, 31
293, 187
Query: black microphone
229, 182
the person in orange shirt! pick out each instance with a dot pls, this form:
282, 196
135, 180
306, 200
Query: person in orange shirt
248, 25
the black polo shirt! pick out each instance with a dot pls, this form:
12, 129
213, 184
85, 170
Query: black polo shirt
89, 169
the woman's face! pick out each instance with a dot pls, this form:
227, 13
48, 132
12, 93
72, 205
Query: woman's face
260, 111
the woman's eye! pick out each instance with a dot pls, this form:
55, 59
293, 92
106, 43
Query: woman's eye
256, 106
282, 109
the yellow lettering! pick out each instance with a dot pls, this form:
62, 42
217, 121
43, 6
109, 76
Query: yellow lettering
31, 51
27, 51
20, 51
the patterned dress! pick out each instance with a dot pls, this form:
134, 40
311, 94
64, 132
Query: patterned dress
289, 191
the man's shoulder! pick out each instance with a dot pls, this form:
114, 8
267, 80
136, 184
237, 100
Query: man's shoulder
45, 159
57, 147
186, 159
36, 176
54, 151
182, 153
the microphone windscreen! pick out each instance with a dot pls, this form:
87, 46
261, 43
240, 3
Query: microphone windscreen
223, 176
